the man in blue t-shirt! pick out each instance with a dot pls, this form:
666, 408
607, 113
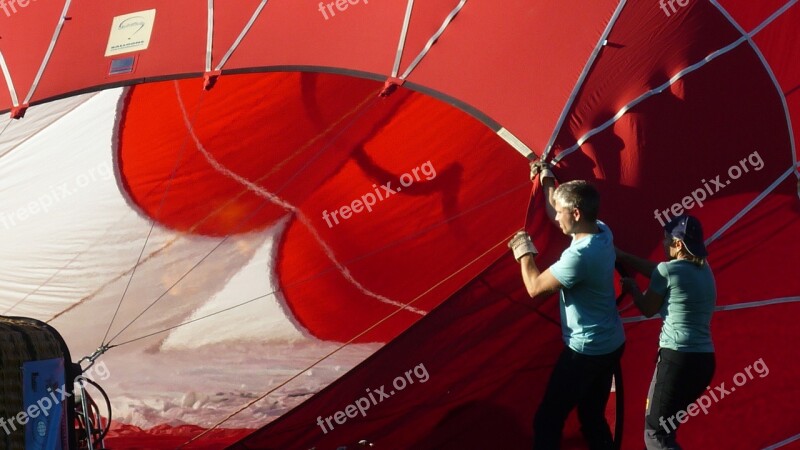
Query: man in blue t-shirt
592, 330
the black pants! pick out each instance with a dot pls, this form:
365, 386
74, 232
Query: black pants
680, 378
577, 380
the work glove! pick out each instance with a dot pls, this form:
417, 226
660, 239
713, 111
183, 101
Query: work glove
522, 245
542, 169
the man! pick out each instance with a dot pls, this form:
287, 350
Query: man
591, 327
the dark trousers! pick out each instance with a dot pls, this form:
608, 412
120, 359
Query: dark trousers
680, 378
577, 380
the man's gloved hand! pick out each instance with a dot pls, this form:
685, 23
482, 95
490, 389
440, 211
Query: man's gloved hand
522, 245
542, 169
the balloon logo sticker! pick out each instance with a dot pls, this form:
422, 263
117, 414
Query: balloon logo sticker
131, 32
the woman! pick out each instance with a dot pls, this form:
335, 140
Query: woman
683, 291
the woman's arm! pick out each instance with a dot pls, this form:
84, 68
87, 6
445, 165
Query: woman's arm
649, 303
641, 265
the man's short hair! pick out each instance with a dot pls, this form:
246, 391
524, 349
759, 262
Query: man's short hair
579, 194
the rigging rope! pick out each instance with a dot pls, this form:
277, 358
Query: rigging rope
266, 175
161, 203
345, 344
313, 276
401, 307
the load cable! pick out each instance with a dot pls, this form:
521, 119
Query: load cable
162, 201
107, 343
343, 345
172, 176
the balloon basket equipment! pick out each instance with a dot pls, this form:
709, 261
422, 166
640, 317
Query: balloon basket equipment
38, 408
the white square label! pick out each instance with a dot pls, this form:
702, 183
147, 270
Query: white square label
131, 32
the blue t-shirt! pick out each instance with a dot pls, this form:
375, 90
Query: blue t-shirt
690, 295
590, 322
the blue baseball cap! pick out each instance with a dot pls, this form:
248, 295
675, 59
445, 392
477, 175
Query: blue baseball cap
688, 229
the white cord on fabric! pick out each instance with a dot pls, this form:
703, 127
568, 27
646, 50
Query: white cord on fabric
582, 77
433, 39
244, 32
261, 192
516, 143
9, 81
784, 442
335, 350
209, 34
756, 304
750, 206
746, 37
402, 43
49, 53
645, 96
766, 65
671, 81
748, 305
